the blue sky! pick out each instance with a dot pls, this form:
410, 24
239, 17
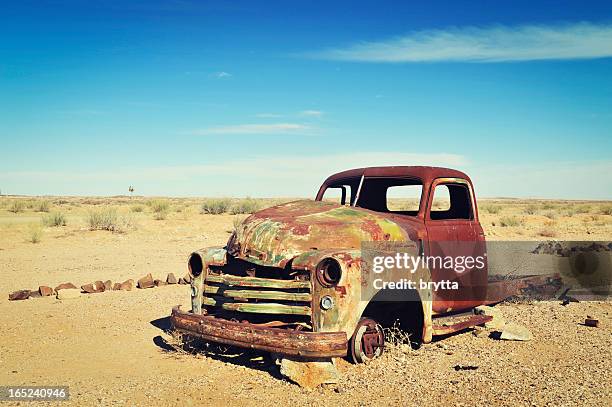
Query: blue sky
268, 98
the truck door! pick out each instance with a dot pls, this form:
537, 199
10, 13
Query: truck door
455, 237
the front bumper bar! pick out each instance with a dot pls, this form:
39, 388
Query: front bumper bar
252, 336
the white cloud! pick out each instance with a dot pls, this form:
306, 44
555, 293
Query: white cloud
311, 113
221, 75
484, 44
273, 128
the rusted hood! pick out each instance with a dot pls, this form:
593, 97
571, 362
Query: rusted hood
276, 235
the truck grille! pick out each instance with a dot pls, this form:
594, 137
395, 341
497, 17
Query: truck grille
242, 291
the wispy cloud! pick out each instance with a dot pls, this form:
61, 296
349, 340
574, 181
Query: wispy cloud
484, 44
221, 75
272, 128
311, 113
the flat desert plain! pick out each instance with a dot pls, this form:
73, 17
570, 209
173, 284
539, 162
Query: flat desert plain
113, 347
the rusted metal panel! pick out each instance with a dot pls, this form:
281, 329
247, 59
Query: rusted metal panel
461, 324
262, 308
246, 335
256, 282
268, 295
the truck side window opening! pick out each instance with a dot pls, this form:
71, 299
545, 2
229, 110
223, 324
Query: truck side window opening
395, 195
336, 194
451, 201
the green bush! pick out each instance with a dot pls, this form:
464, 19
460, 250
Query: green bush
137, 208
531, 209
215, 206
107, 219
247, 205
55, 219
606, 210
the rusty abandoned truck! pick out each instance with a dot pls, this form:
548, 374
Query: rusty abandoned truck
290, 279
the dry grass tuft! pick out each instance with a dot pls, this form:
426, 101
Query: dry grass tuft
17, 206
215, 206
54, 219
492, 209
507, 221
245, 206
35, 233
107, 219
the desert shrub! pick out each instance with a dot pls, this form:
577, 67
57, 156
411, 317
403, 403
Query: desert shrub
54, 219
493, 209
43, 206
548, 205
17, 206
531, 209
583, 209
510, 221
137, 208
35, 233
247, 205
215, 206
550, 215
606, 210
107, 219
160, 209
237, 221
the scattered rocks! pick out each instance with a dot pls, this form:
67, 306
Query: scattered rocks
45, 291
171, 279
64, 286
95, 287
309, 374
515, 332
19, 295
35, 294
182, 281
590, 321
498, 322
68, 293
159, 283
146, 281
108, 285
116, 286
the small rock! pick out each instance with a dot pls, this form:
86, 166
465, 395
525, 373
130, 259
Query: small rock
187, 278
127, 285
64, 286
515, 332
159, 283
45, 291
591, 322
498, 320
465, 367
68, 293
146, 281
19, 295
479, 332
95, 287
35, 294
116, 286
171, 279
309, 374
108, 285
181, 281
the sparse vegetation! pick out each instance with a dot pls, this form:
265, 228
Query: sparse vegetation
531, 209
237, 221
137, 208
507, 221
54, 219
35, 233
215, 206
43, 206
245, 206
17, 206
107, 219
606, 210
160, 209
492, 209
551, 215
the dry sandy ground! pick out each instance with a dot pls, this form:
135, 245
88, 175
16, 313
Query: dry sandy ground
112, 348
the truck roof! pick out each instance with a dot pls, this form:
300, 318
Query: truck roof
425, 174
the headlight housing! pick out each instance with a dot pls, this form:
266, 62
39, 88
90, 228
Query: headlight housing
328, 272
195, 265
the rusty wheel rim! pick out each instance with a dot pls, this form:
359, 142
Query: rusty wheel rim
367, 342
